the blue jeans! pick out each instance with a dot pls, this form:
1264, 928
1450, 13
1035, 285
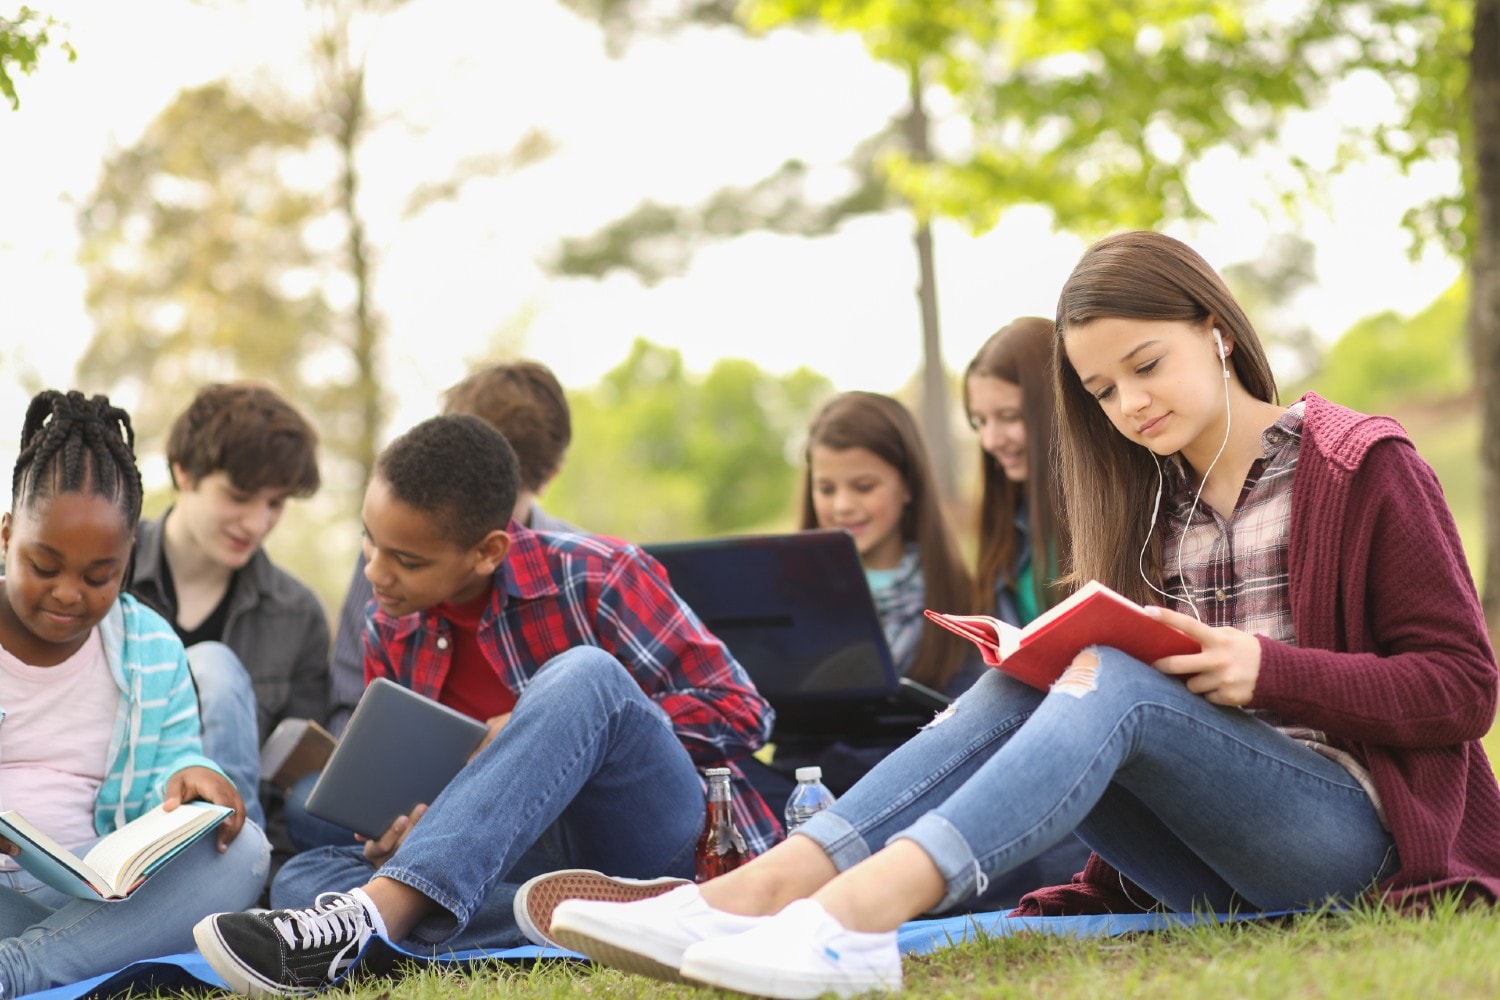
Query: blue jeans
231, 729
305, 830
588, 773
48, 939
1200, 805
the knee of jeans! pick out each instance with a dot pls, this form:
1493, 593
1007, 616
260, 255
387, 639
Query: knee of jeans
1099, 668
581, 669
217, 672
1081, 677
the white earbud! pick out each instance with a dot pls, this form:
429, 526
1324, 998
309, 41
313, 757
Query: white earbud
1219, 340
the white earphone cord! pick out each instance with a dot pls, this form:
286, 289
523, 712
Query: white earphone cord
1140, 562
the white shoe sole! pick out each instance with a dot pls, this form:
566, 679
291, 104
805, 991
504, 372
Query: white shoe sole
608, 945
238, 978
538, 897
785, 984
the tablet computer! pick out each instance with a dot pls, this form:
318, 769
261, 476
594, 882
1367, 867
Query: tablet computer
399, 749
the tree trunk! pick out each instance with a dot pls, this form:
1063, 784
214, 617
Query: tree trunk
342, 68
366, 325
933, 414
1484, 283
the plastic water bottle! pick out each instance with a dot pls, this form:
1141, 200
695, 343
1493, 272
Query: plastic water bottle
809, 797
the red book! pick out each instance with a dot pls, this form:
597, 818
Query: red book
1093, 615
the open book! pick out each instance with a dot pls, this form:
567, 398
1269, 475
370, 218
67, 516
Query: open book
1093, 615
117, 865
296, 747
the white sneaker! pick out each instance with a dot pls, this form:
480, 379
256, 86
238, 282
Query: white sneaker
539, 896
800, 953
647, 936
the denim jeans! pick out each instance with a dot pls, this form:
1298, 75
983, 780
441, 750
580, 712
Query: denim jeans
48, 939
588, 773
305, 830
1200, 805
231, 729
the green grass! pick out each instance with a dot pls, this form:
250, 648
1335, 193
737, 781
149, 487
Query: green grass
1446, 953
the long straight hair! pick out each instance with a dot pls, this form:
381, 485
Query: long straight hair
882, 426
1109, 482
1021, 354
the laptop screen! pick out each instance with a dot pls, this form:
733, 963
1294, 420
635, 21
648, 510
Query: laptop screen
796, 611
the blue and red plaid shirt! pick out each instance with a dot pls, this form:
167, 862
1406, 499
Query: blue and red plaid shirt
554, 592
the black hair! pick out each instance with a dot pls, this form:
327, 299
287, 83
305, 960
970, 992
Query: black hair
457, 468
70, 444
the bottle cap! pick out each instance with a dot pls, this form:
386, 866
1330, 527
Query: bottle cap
710, 772
813, 773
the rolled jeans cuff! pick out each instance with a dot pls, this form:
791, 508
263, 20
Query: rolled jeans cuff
952, 855
843, 844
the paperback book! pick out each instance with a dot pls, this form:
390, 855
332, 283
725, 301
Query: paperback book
119, 864
1093, 615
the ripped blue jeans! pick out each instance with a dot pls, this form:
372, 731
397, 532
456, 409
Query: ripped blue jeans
1202, 806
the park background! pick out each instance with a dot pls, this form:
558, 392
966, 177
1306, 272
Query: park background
704, 228
697, 212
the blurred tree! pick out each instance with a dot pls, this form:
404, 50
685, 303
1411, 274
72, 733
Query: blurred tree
1386, 359
658, 453
343, 118
232, 241
1093, 110
1267, 288
1099, 111
21, 39
196, 261
1483, 169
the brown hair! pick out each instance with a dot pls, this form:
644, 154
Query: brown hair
884, 427
523, 401
1108, 482
247, 430
1021, 353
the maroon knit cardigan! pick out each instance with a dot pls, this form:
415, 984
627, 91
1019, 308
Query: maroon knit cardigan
1393, 660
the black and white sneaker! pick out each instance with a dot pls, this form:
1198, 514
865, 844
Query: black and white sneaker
285, 952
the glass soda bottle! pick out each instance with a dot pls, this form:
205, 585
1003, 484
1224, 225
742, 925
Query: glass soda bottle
721, 847
809, 797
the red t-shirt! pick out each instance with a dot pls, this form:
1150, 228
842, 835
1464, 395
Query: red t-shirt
473, 686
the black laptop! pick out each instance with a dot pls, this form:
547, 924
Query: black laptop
796, 611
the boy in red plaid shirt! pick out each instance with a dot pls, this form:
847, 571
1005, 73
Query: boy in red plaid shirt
603, 692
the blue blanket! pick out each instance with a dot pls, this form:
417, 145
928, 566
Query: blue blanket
188, 971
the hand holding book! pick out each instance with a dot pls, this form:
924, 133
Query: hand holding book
1225, 672
205, 785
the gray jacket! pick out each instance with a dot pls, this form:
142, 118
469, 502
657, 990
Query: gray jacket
276, 626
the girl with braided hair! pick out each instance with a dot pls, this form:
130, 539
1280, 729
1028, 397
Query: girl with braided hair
98, 716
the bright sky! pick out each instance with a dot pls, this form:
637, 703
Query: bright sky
672, 121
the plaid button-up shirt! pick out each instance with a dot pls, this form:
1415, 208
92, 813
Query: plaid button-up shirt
555, 592
1236, 569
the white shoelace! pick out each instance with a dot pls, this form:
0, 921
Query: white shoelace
333, 917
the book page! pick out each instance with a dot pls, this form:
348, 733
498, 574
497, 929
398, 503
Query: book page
120, 857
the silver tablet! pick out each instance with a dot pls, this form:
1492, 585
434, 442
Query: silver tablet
399, 749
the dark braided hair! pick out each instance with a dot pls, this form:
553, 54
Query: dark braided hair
70, 444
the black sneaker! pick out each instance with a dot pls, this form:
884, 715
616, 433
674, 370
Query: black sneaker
285, 952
